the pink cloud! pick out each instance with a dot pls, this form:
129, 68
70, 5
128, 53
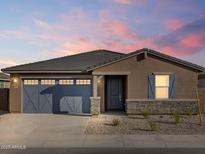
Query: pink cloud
174, 24
126, 2
119, 28
74, 46
129, 2
193, 41
187, 45
79, 32
7, 62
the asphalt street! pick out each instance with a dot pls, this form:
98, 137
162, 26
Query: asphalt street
107, 151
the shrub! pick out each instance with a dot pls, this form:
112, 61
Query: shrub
145, 114
153, 126
161, 116
115, 122
177, 117
189, 113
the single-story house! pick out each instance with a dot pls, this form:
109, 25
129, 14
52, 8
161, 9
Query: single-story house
101, 80
4, 80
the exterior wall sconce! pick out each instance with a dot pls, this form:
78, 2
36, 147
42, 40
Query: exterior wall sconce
15, 80
100, 79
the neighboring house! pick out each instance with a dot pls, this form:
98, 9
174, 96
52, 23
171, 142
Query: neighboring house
201, 83
4, 92
201, 86
4, 80
101, 80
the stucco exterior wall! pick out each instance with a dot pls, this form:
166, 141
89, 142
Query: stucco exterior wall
138, 71
15, 94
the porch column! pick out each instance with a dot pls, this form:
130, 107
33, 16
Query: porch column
95, 86
95, 100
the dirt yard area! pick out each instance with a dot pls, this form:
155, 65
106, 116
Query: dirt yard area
152, 124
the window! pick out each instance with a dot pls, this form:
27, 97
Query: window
83, 82
1, 84
162, 86
4, 84
30, 82
66, 82
48, 82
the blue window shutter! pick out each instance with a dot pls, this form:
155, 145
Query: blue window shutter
172, 86
151, 86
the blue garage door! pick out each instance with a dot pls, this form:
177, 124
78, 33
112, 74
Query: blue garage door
68, 96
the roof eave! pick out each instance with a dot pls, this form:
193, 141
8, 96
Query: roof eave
6, 80
46, 71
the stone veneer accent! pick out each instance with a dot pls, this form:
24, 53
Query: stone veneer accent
161, 106
95, 105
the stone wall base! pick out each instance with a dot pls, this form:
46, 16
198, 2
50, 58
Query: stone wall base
161, 107
95, 105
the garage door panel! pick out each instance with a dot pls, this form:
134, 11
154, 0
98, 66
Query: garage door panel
76, 91
71, 104
30, 99
45, 99
85, 92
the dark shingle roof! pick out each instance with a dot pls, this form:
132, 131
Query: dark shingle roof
78, 62
89, 61
4, 76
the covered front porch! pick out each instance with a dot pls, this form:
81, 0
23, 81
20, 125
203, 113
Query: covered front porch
109, 92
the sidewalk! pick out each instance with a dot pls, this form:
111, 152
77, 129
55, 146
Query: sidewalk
120, 141
146, 141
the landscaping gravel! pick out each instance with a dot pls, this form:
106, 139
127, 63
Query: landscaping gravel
154, 124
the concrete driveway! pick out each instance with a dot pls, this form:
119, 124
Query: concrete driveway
38, 130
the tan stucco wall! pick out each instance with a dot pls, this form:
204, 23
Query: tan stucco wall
15, 94
138, 71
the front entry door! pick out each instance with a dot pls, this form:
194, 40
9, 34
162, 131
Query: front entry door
114, 93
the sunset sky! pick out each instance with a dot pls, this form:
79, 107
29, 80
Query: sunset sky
34, 30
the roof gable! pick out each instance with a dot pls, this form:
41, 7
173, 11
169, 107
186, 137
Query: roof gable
157, 54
